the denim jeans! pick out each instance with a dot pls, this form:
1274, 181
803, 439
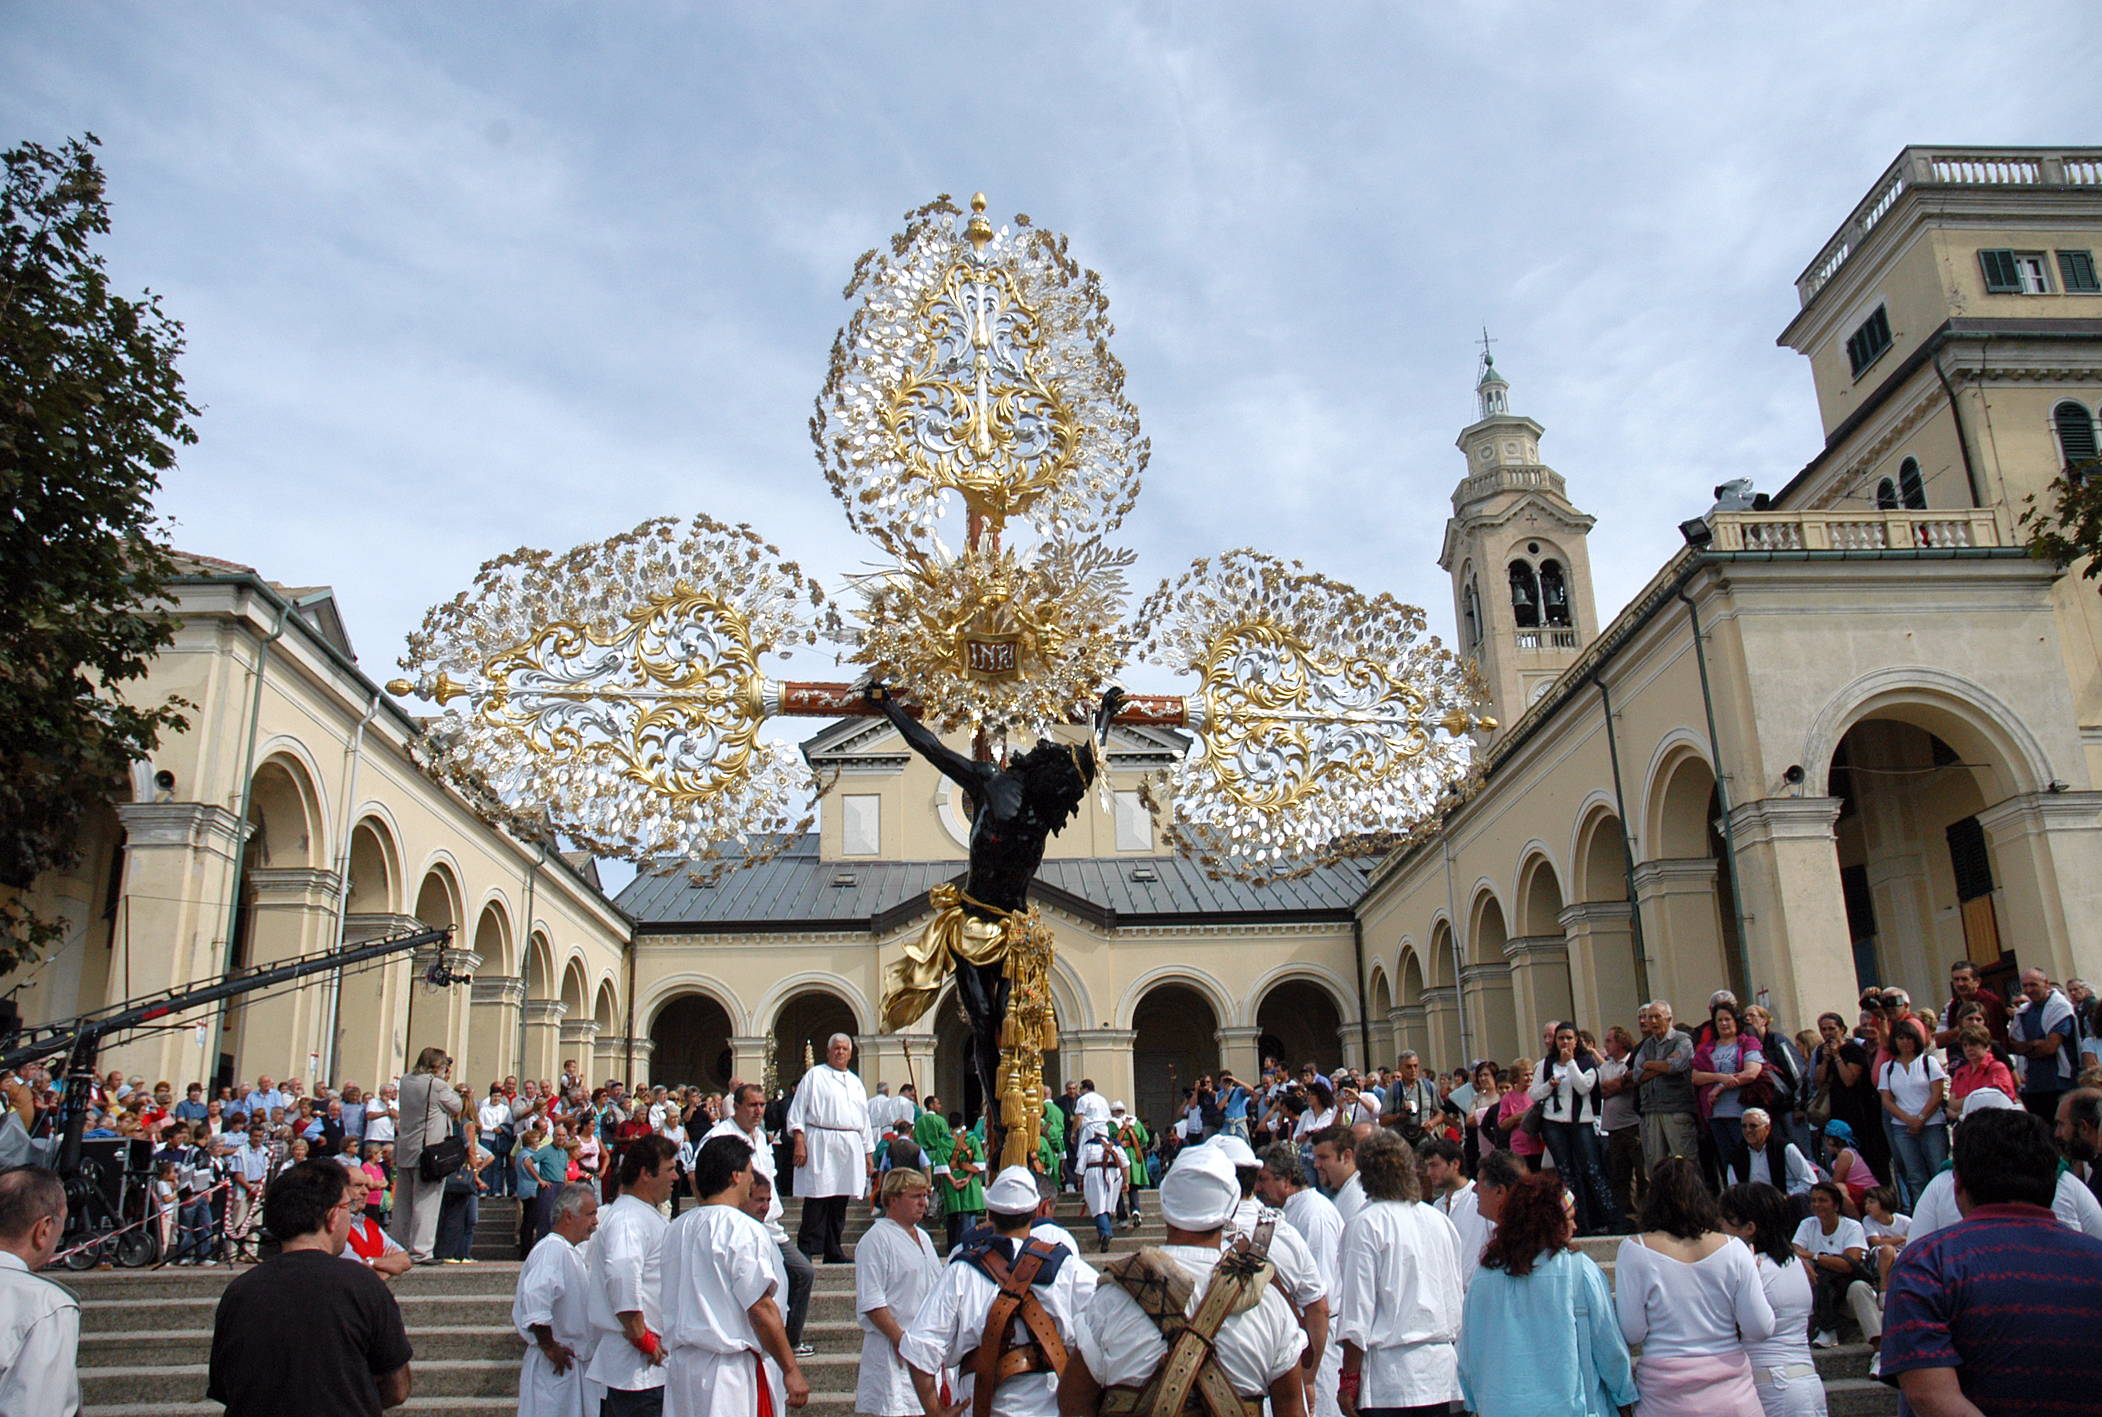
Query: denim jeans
1732, 1158
1917, 1158
1580, 1162
502, 1181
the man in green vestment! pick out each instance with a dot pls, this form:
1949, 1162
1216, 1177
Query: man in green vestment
1132, 1136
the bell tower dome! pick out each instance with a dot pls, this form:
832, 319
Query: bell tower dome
1516, 548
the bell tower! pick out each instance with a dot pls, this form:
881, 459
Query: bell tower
1517, 552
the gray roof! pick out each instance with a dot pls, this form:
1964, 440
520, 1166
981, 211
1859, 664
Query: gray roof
796, 890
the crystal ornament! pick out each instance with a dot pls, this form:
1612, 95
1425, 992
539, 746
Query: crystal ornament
1329, 723
615, 694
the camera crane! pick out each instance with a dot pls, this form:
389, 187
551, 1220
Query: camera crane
90, 1206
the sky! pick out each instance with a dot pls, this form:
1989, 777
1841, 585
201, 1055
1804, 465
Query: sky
462, 278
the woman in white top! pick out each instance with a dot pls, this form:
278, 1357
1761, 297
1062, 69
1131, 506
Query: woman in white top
895, 1267
1836, 1248
1565, 1085
1783, 1371
380, 1114
1320, 1113
1912, 1086
1690, 1295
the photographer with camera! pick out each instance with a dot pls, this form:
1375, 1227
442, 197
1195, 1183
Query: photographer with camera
1412, 1103
425, 1153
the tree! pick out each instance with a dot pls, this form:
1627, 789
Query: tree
91, 408
2068, 527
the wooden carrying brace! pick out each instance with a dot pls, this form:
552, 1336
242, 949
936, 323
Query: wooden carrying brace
1190, 1371
997, 1357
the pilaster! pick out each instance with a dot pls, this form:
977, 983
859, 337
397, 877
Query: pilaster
1441, 1028
1603, 981
1796, 913
2047, 849
1103, 1054
1492, 1025
1540, 987
292, 912
1240, 1050
493, 1041
543, 1037
1409, 1029
372, 1005
1682, 925
748, 1060
884, 1058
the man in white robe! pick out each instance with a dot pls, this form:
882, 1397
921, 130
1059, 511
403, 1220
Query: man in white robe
1101, 1182
1335, 1161
896, 1266
1312, 1216
835, 1150
1399, 1290
1090, 1110
951, 1320
1289, 1253
721, 1324
1257, 1350
746, 1123
552, 1313
626, 1287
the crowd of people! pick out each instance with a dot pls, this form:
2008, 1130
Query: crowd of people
1362, 1243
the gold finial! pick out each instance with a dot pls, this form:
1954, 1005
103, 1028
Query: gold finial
400, 688
978, 230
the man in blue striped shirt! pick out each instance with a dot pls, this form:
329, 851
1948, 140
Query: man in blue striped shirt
1998, 1314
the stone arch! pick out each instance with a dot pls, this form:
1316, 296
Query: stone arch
286, 814
1380, 992
375, 884
576, 986
540, 967
1539, 895
1215, 994
1959, 711
1441, 997
1175, 1026
1600, 855
605, 1008
808, 1016
858, 1007
1410, 972
1300, 1016
492, 939
689, 1033
1681, 783
1492, 1012
673, 986
438, 900
1438, 959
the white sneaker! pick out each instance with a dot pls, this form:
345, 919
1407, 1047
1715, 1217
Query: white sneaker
1826, 1339
1875, 1364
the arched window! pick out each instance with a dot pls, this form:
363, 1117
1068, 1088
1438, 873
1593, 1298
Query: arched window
1554, 594
1886, 496
1525, 596
1910, 487
1471, 611
2076, 438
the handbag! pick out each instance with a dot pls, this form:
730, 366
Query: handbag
1535, 1119
439, 1160
1820, 1109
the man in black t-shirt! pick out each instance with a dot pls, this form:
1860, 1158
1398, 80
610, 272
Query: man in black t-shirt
353, 1355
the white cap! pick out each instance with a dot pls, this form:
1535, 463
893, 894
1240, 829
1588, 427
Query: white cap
1987, 1099
1116, 1107
1199, 1192
1237, 1152
1012, 1192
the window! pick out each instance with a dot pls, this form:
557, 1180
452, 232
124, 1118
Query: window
1554, 593
2076, 438
1886, 496
2015, 272
1525, 596
1911, 487
2076, 272
1134, 823
861, 824
1471, 612
1868, 342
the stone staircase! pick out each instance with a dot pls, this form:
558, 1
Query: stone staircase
146, 1334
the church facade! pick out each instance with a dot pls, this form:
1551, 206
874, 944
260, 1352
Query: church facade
1851, 732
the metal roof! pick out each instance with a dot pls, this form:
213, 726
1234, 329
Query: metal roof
798, 891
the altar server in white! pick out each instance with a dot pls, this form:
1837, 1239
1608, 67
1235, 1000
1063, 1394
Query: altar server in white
626, 1284
895, 1266
835, 1150
1102, 1164
722, 1277
1313, 1218
552, 1313
1400, 1292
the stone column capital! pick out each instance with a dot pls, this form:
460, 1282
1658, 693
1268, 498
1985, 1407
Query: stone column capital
1775, 819
497, 989
541, 1013
1486, 976
1534, 948
1238, 1035
1408, 1014
1439, 999
581, 1031
1590, 914
1098, 1037
1675, 876
304, 886
357, 929
190, 825
2032, 812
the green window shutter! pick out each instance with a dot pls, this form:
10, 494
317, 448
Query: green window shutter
2076, 271
2001, 277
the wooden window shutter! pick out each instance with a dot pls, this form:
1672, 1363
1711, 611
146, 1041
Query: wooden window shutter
2076, 271
2001, 276
1970, 859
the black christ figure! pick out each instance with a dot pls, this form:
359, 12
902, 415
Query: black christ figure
1015, 808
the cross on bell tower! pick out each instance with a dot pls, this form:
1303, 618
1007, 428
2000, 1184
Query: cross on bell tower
1516, 548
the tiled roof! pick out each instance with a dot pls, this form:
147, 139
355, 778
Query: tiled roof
796, 890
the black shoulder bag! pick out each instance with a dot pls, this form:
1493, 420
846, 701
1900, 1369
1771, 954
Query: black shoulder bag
438, 1159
